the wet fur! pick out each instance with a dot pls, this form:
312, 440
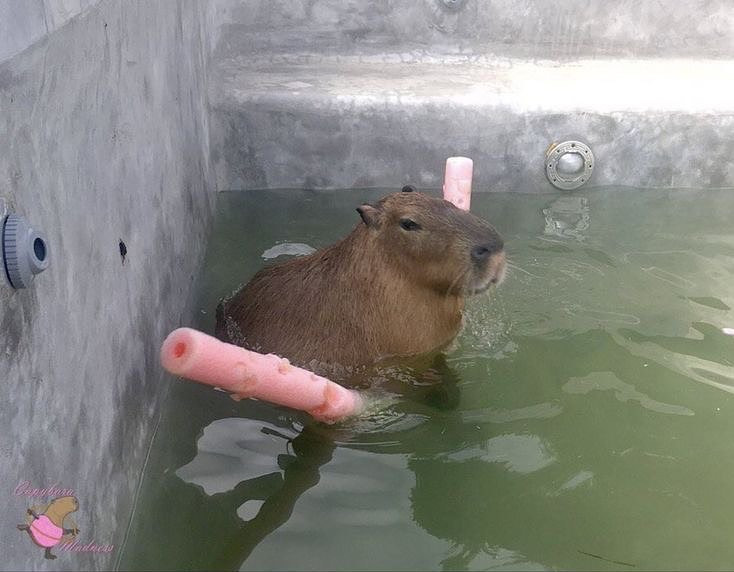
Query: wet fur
381, 291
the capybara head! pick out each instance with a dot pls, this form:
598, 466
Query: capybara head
436, 244
62, 506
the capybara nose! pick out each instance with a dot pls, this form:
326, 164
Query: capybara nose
480, 253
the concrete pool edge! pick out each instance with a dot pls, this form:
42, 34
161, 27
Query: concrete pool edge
387, 120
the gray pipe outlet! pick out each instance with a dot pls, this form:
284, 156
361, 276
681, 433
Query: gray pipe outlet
25, 251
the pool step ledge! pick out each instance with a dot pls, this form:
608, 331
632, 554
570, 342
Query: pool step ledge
313, 121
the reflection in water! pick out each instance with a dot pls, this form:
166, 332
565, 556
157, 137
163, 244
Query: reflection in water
249, 509
707, 357
252, 472
300, 474
287, 249
712, 345
709, 301
584, 406
576, 481
236, 517
517, 453
604, 380
234, 450
539, 411
257, 470
568, 217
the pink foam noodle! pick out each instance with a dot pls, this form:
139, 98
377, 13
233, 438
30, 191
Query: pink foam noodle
197, 356
457, 181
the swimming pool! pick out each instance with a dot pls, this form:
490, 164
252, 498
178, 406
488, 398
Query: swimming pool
121, 124
587, 427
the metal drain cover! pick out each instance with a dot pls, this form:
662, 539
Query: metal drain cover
569, 165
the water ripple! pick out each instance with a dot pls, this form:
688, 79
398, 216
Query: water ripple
605, 381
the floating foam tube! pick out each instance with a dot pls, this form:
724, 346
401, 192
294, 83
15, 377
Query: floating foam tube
246, 374
457, 181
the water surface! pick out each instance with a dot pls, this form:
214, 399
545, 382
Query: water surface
590, 426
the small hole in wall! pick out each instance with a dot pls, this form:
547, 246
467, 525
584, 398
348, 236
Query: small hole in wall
123, 250
39, 249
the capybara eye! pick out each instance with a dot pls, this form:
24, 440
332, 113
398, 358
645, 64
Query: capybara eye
407, 224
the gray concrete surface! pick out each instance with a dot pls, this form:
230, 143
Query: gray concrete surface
285, 121
331, 94
528, 28
23, 22
103, 137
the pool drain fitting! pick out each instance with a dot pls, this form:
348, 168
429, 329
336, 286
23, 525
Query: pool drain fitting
25, 251
569, 165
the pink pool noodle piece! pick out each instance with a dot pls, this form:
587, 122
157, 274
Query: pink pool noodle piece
457, 181
197, 356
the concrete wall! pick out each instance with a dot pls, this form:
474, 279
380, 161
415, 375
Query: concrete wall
339, 94
24, 22
103, 137
531, 28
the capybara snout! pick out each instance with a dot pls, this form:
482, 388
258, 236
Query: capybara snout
488, 257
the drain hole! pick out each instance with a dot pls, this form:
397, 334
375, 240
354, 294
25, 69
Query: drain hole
39, 249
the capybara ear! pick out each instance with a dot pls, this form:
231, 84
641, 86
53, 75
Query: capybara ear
408, 189
370, 215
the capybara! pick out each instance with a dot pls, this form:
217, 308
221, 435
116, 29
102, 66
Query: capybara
45, 525
395, 286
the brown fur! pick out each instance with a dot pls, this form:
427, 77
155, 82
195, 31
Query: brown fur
381, 291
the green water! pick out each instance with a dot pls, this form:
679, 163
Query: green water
591, 427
